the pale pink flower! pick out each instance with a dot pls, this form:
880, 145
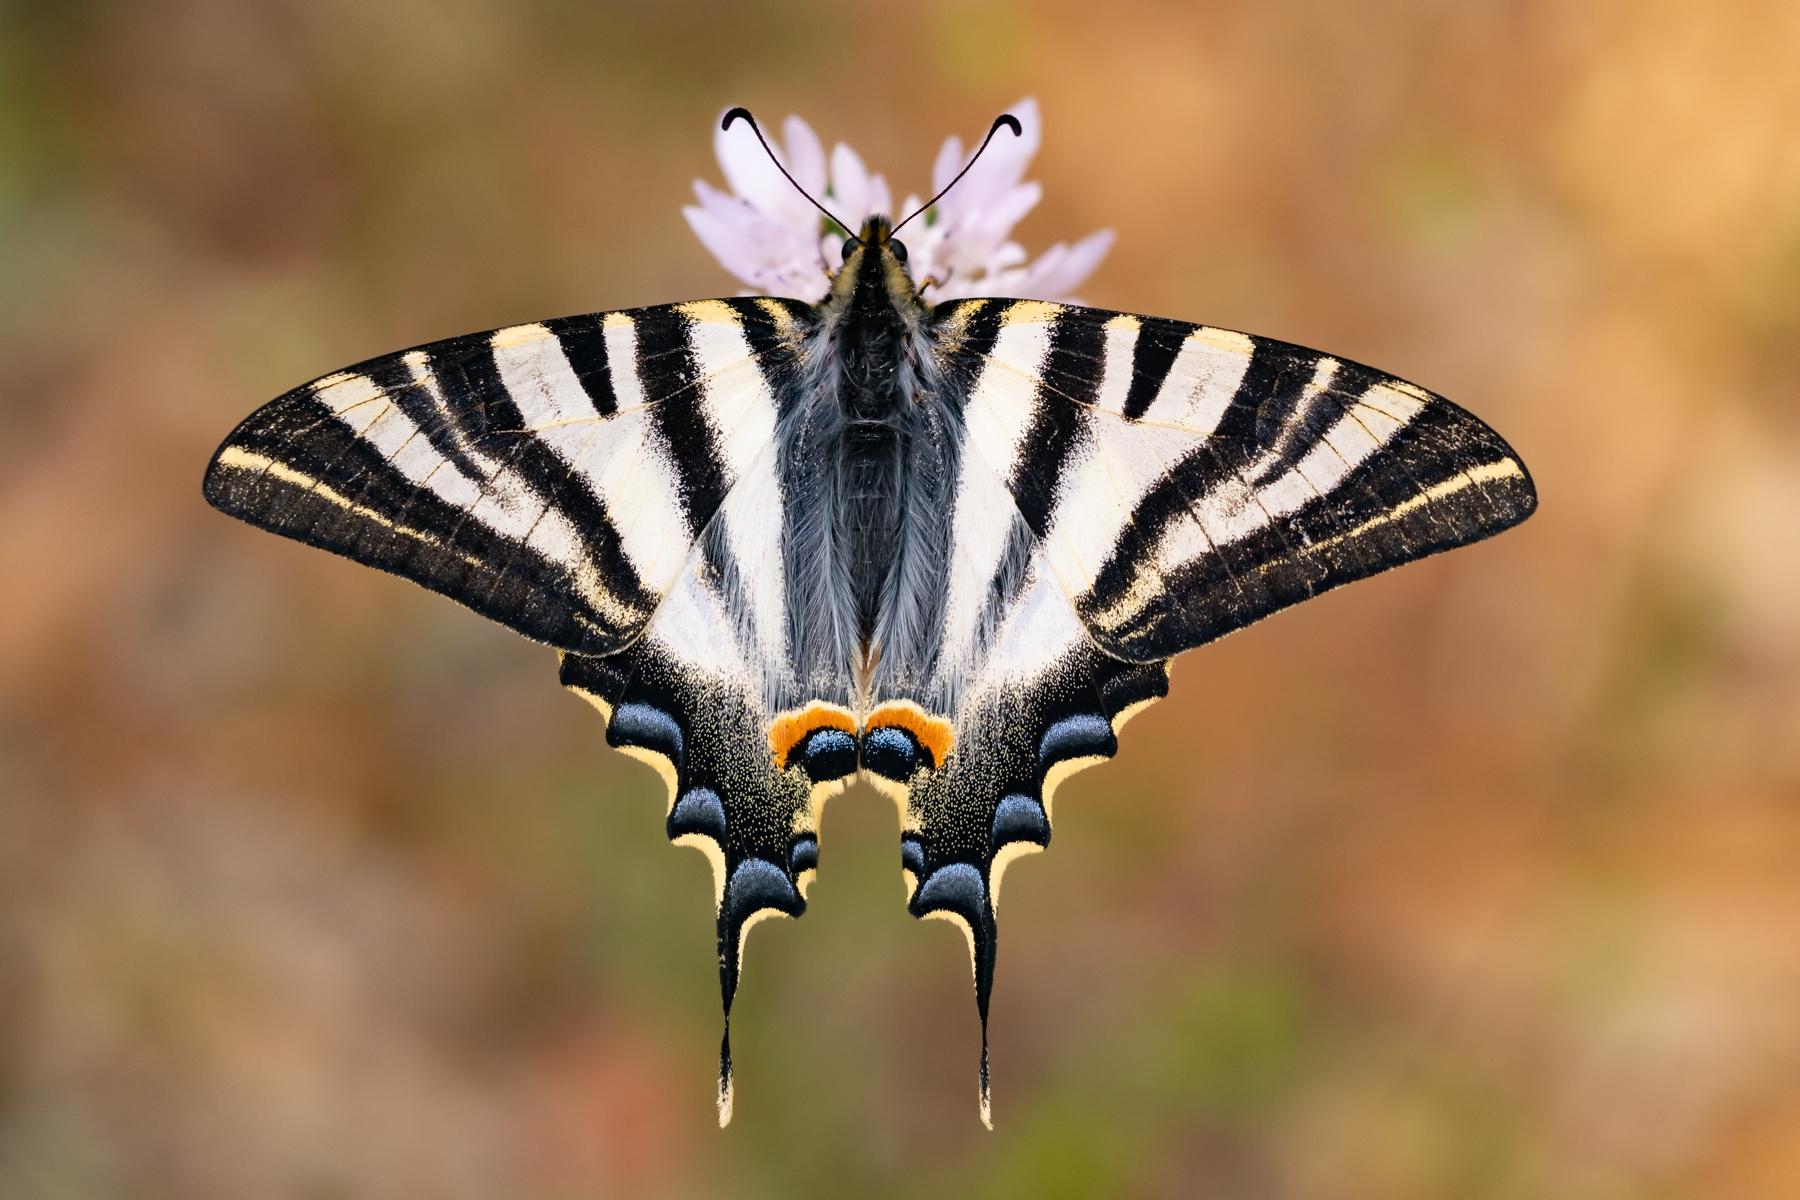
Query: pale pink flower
766, 234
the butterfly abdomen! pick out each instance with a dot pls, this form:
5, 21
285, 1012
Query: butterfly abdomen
867, 466
871, 455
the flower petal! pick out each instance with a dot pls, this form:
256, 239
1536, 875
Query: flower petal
880, 199
1062, 268
759, 249
805, 157
735, 252
949, 162
748, 171
979, 233
849, 186
999, 169
755, 178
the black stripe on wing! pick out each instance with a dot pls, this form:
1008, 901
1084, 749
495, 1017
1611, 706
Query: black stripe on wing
478, 404
965, 331
1158, 342
1277, 473
1072, 372
450, 429
583, 341
670, 371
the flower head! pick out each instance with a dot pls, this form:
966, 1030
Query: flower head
769, 236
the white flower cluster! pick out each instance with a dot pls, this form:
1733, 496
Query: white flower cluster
766, 233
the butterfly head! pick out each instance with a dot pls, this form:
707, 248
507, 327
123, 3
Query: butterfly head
878, 235
874, 269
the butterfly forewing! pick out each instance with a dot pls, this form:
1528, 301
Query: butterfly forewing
1186, 481
550, 476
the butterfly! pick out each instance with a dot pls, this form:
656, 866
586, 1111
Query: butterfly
946, 549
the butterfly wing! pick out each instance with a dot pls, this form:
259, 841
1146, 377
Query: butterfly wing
553, 477
605, 484
1186, 481
1131, 488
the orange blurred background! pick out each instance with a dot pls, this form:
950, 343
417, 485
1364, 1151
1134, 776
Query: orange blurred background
1481, 879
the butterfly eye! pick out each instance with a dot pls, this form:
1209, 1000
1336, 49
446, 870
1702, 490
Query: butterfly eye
850, 246
898, 247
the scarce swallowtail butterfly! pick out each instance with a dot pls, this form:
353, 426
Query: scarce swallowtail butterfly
947, 549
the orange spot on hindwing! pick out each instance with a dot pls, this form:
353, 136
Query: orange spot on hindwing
792, 728
933, 733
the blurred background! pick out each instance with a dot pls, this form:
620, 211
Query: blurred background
1477, 880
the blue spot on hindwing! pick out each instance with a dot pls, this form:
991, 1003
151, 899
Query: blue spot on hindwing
1019, 819
758, 884
650, 728
890, 752
699, 811
1084, 735
957, 888
828, 754
804, 856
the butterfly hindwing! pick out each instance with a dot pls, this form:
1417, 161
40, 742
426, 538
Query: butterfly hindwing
1045, 702
551, 476
693, 698
706, 733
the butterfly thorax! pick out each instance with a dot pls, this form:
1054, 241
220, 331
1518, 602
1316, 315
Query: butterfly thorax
874, 452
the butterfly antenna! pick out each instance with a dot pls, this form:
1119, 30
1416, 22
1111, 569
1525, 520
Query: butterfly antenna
1006, 119
732, 116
